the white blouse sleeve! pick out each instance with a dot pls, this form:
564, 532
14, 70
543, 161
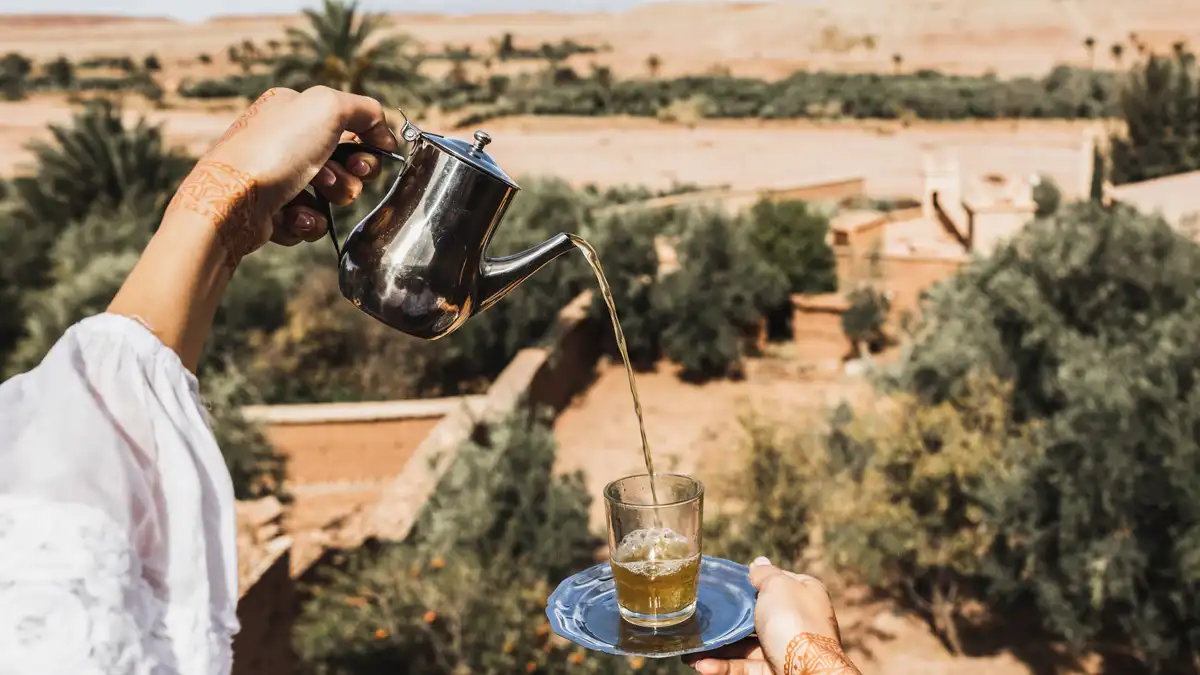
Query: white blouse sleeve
117, 524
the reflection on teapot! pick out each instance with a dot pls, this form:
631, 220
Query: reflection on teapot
417, 262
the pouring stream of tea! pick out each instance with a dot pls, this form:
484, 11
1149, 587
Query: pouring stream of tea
606, 291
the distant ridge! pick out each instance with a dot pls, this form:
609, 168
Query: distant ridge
80, 19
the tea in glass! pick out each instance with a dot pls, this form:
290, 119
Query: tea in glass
655, 548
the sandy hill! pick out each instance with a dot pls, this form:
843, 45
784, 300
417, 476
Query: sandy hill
767, 39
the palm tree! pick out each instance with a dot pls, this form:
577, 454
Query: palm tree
96, 163
654, 64
1118, 50
897, 62
1089, 43
337, 50
96, 167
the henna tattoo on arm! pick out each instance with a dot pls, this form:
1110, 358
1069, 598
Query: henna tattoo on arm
228, 200
811, 654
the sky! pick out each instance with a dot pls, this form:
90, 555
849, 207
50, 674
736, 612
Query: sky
202, 9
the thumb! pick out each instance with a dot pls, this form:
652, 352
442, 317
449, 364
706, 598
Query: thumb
733, 667
761, 571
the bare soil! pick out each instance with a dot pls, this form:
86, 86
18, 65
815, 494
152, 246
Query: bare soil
765, 39
739, 154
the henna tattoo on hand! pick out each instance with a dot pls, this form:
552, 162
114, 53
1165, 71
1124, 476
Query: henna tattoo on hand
228, 199
244, 120
811, 654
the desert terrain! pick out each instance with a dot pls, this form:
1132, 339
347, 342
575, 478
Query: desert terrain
765, 39
738, 154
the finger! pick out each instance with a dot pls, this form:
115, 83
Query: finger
361, 115
282, 237
362, 165
761, 573
304, 223
304, 217
742, 649
336, 184
736, 667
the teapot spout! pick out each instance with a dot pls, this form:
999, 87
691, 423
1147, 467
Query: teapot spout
498, 276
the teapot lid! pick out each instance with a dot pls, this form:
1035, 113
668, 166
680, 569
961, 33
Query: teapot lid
473, 154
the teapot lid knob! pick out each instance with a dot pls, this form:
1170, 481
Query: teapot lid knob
482, 138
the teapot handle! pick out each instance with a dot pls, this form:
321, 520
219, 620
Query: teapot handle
340, 154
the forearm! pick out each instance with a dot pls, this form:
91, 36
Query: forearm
215, 219
177, 285
809, 654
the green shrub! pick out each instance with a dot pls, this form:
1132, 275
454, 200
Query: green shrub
792, 236
60, 72
1065, 93
625, 244
864, 320
231, 86
1047, 196
1089, 315
151, 63
74, 276
773, 494
51, 311
467, 592
12, 88
322, 348
718, 297
119, 62
920, 509
15, 65
1161, 134
257, 469
93, 167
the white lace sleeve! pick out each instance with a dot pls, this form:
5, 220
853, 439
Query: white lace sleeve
117, 545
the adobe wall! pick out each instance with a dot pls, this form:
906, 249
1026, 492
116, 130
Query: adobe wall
817, 326
352, 451
833, 191
266, 611
905, 276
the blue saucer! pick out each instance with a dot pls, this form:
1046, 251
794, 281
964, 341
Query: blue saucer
583, 609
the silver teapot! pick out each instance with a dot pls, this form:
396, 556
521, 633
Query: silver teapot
418, 261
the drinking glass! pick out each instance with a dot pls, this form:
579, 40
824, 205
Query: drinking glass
655, 547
